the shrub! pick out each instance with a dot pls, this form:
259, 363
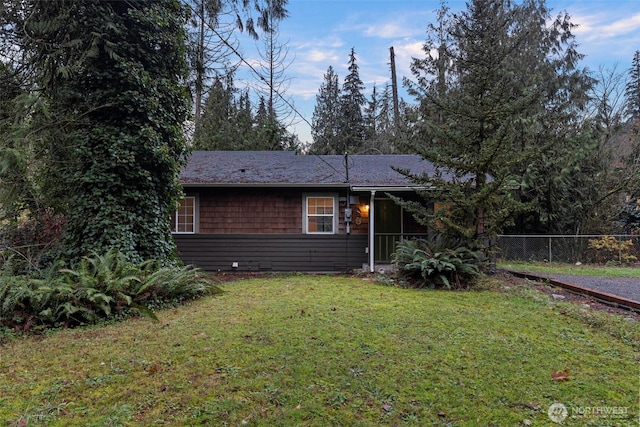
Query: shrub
99, 287
438, 263
608, 249
31, 244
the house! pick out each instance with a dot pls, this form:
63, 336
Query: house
280, 211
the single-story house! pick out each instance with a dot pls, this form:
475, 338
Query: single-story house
281, 211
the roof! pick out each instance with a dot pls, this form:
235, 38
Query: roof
286, 168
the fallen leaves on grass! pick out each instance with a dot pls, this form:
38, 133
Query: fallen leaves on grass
560, 375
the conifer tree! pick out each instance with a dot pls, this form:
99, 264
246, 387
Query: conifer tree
351, 125
490, 109
371, 115
633, 87
326, 116
380, 127
630, 214
215, 129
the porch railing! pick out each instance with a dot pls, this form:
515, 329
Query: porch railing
385, 243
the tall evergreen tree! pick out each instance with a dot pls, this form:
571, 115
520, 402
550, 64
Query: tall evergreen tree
326, 116
380, 125
633, 87
630, 215
215, 129
352, 126
227, 121
488, 111
371, 115
244, 121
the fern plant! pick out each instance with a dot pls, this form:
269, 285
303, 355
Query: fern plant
98, 287
438, 263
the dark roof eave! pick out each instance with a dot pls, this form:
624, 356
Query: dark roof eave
263, 185
360, 188
389, 188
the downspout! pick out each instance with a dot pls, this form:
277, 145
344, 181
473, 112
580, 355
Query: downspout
372, 231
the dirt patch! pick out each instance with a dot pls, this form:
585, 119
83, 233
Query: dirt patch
234, 276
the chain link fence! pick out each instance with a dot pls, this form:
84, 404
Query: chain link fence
563, 248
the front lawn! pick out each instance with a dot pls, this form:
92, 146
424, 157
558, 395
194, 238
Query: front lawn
306, 350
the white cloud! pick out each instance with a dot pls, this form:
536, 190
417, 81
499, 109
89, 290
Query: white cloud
304, 88
328, 41
601, 27
621, 26
388, 30
317, 55
405, 53
411, 48
607, 37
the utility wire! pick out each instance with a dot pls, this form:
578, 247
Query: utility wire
255, 72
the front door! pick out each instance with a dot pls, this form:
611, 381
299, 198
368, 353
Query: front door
387, 228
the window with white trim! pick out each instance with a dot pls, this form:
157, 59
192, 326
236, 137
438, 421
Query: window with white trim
320, 214
184, 219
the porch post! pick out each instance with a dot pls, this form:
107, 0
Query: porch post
372, 231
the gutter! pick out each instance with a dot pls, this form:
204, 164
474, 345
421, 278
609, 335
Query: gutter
261, 185
355, 188
390, 188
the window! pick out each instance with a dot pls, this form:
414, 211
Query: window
320, 214
184, 219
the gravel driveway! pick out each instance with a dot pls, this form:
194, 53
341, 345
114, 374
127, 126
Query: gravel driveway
624, 287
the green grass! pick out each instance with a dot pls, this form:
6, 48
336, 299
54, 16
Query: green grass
582, 269
308, 350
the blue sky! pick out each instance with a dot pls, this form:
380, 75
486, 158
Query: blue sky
320, 33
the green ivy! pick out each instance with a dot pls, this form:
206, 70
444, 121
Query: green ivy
114, 75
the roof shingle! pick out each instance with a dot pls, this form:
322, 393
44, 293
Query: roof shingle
218, 168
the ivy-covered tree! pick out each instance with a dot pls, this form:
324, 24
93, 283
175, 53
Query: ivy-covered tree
507, 90
326, 117
113, 73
